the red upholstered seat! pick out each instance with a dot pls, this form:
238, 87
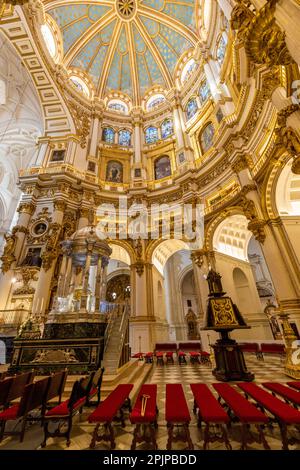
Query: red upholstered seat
181, 354
210, 409
106, 411
150, 410
295, 385
93, 391
176, 407
245, 411
195, 353
138, 355
278, 408
149, 354
63, 409
10, 413
169, 354
159, 354
283, 391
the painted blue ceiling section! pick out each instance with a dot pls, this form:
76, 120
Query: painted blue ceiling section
74, 20
119, 77
183, 11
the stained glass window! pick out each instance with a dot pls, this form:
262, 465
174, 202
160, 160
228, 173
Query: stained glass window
167, 128
191, 109
204, 92
206, 137
155, 101
118, 106
108, 135
188, 70
124, 138
221, 49
151, 135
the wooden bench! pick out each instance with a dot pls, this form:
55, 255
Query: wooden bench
95, 387
288, 394
64, 412
251, 348
272, 348
177, 414
295, 385
245, 412
107, 411
54, 391
32, 399
144, 414
284, 414
18, 385
210, 412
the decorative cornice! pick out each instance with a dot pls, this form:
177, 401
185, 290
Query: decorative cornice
26, 208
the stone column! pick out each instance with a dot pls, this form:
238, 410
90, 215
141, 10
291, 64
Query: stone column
184, 150
66, 251
98, 284
49, 257
26, 211
104, 265
86, 275
137, 164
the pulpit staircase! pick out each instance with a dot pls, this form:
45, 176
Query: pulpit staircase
115, 336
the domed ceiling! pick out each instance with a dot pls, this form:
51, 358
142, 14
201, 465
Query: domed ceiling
126, 45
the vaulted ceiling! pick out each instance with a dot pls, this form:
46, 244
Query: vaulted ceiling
125, 45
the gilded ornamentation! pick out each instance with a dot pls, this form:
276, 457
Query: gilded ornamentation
288, 138
50, 252
241, 163
241, 17
27, 274
139, 267
59, 205
264, 41
8, 256
255, 225
27, 208
82, 121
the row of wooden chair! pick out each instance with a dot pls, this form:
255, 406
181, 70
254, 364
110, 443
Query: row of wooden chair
39, 396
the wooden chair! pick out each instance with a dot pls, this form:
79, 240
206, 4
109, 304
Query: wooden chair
95, 389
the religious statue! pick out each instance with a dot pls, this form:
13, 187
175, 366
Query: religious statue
288, 138
214, 282
8, 256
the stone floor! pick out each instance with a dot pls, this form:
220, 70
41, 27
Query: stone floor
270, 369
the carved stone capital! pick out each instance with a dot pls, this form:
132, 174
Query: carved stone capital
59, 205
256, 226
139, 267
240, 163
248, 188
26, 208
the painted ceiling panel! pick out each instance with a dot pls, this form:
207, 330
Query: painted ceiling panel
157, 45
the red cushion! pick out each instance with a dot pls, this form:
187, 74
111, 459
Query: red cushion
194, 354
150, 410
204, 353
110, 406
159, 354
176, 407
63, 409
181, 354
283, 391
169, 353
242, 408
138, 355
295, 385
149, 354
278, 408
210, 410
9, 413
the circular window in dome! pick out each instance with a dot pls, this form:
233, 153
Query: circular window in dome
49, 39
80, 85
155, 101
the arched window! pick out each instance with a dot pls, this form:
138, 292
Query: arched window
80, 85
221, 49
114, 172
191, 108
118, 105
206, 137
151, 135
188, 70
204, 92
108, 135
162, 167
167, 128
49, 39
124, 138
155, 101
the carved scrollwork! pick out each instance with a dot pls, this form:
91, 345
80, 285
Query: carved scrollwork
8, 256
51, 250
287, 138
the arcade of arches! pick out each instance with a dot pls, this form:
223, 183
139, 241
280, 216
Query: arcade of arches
170, 103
